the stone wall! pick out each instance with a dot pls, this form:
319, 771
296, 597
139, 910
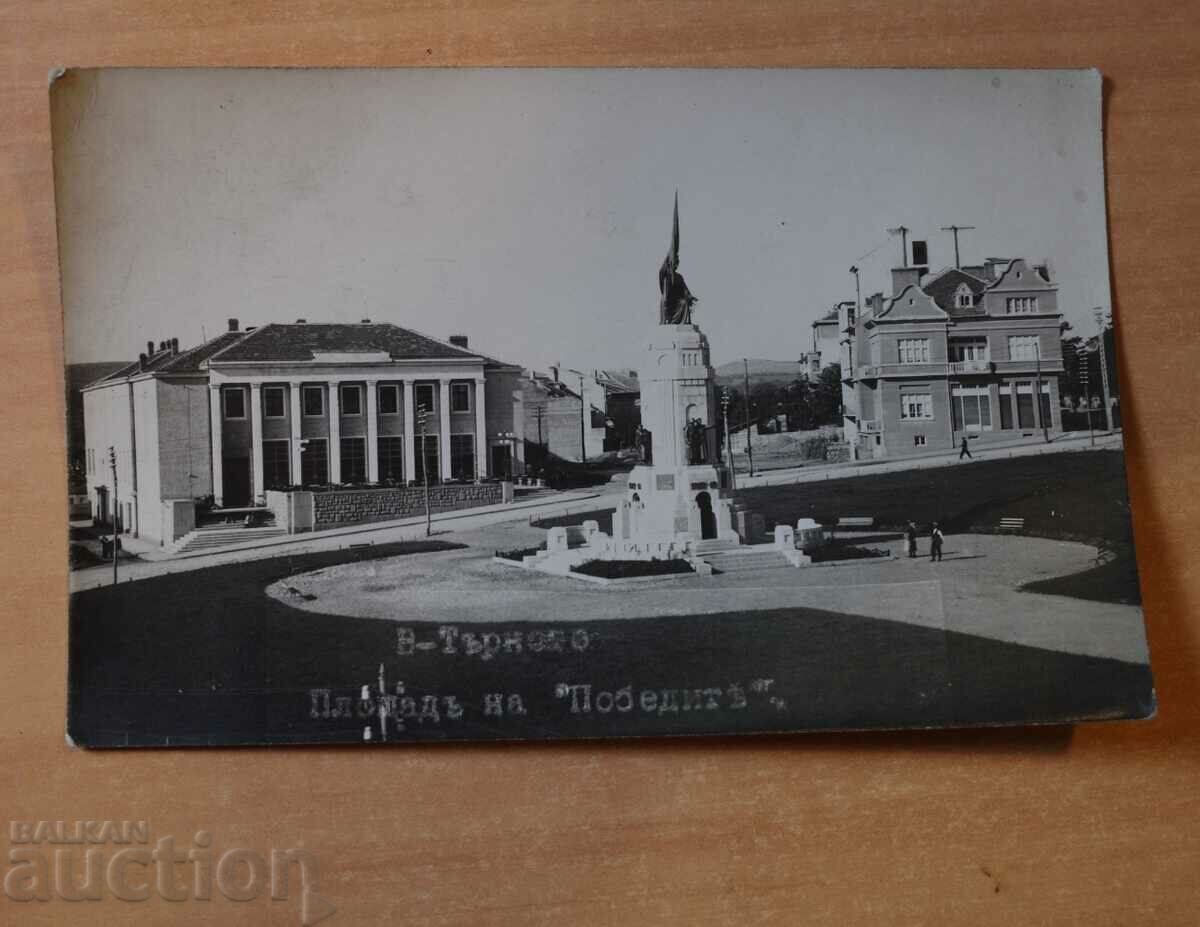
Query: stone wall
360, 506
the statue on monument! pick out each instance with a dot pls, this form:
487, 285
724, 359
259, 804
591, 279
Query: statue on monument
675, 300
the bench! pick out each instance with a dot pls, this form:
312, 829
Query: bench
1009, 523
856, 521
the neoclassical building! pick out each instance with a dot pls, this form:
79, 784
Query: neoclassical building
295, 404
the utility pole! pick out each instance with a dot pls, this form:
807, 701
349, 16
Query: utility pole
728, 442
583, 411
539, 412
956, 229
746, 381
116, 507
1084, 378
422, 417
1098, 312
1037, 354
902, 231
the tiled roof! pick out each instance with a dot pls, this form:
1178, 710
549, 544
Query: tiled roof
300, 341
189, 361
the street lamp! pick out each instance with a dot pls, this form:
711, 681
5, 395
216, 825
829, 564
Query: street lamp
728, 442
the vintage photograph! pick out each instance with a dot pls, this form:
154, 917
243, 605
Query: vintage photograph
427, 405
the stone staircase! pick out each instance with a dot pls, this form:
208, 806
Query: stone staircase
742, 559
214, 537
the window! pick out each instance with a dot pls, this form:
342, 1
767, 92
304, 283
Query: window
974, 350
314, 401
1006, 408
460, 397
391, 459
462, 457
970, 408
272, 402
1025, 417
916, 406
423, 393
314, 462
1047, 416
914, 350
918, 440
963, 298
354, 460
389, 399
276, 464
1023, 347
234, 400
427, 459
1021, 305
350, 397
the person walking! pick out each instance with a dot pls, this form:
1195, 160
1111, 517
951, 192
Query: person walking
935, 542
910, 536
964, 451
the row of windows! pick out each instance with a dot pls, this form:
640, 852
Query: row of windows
1021, 305
350, 399
314, 460
916, 350
971, 408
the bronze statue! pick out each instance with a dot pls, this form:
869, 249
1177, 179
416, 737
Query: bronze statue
676, 300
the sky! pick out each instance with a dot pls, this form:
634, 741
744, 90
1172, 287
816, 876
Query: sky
531, 209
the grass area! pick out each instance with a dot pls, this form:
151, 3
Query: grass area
1113, 581
519, 553
1080, 496
836, 551
603, 517
206, 657
631, 569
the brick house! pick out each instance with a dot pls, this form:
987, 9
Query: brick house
970, 352
293, 404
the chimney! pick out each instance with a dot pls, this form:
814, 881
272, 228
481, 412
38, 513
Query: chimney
554, 372
459, 341
301, 321
174, 345
149, 348
903, 276
141, 362
920, 254
233, 325
366, 322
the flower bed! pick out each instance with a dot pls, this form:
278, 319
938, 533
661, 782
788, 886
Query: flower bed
833, 552
631, 569
518, 554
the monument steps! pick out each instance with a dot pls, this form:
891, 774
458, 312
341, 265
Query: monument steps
742, 559
713, 546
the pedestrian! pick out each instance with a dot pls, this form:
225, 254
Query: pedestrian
910, 536
935, 542
964, 451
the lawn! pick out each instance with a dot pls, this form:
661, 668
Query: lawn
205, 657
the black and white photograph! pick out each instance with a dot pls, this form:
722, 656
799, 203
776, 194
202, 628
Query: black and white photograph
526, 404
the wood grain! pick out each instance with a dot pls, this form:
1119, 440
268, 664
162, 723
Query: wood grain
1100, 825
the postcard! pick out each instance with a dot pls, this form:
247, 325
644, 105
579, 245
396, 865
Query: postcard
436, 405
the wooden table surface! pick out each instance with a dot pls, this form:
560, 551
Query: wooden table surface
1097, 825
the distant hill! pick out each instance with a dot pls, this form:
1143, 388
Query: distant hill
761, 371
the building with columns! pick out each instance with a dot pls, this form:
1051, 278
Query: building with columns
297, 404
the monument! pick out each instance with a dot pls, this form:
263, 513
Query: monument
678, 495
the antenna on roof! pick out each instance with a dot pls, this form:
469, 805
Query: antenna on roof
956, 229
902, 231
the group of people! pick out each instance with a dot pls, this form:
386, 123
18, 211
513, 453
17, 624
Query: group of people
936, 539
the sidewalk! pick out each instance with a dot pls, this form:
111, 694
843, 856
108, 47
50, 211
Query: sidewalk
1071, 441
157, 561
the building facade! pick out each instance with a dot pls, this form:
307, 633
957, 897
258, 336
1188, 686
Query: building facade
299, 404
972, 352
559, 420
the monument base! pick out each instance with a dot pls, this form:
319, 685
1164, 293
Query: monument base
676, 504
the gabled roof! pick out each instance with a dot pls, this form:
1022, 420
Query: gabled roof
302, 341
189, 361
618, 381
911, 303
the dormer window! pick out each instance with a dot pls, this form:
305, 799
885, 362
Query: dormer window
963, 298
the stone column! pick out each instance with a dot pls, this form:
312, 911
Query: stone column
444, 428
257, 484
410, 410
294, 431
216, 421
334, 412
481, 444
372, 432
